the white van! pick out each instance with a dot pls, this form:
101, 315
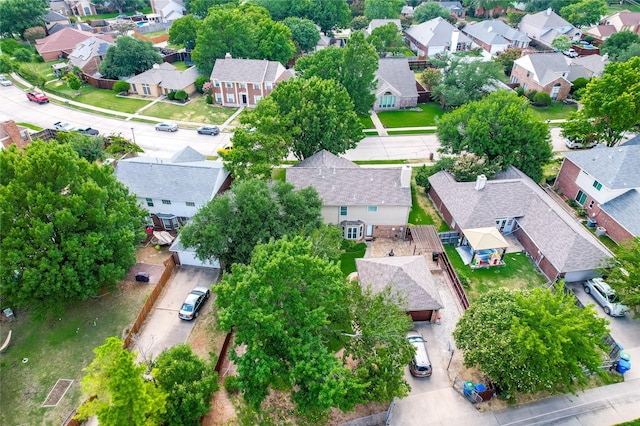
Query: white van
420, 365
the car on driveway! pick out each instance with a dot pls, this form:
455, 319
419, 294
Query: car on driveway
4, 81
208, 130
570, 53
579, 144
88, 131
167, 127
420, 365
194, 302
64, 126
605, 296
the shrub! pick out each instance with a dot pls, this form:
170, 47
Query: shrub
531, 94
31, 76
579, 83
232, 384
519, 91
550, 180
10, 45
171, 95
74, 82
121, 86
589, 39
181, 95
38, 58
422, 177
33, 33
23, 55
6, 64
200, 81
542, 99
347, 245
209, 99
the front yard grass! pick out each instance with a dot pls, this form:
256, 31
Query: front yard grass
101, 98
422, 210
556, 111
59, 348
196, 110
348, 258
519, 272
366, 121
408, 118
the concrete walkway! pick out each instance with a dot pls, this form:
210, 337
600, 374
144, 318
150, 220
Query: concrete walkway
378, 124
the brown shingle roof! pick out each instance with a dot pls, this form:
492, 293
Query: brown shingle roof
66, 40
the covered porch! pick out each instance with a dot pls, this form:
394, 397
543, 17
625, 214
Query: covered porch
482, 247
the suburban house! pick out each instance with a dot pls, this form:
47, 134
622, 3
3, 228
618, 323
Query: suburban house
51, 18
624, 21
162, 79
587, 66
495, 36
60, 7
601, 32
12, 134
375, 23
88, 54
606, 182
558, 244
168, 10
173, 189
543, 72
396, 85
435, 36
454, 7
243, 82
406, 10
61, 44
409, 277
82, 7
365, 202
545, 26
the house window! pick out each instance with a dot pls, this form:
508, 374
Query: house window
581, 197
219, 97
168, 202
597, 185
372, 208
343, 210
591, 203
269, 86
231, 98
514, 80
256, 86
554, 91
190, 204
243, 86
149, 202
216, 83
256, 99
524, 86
387, 100
229, 85
146, 90
25, 135
528, 73
352, 232
134, 88
170, 223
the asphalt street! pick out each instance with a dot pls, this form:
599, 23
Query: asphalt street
14, 105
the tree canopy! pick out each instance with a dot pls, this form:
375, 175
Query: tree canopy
532, 341
287, 307
584, 13
429, 10
386, 39
130, 56
200, 8
184, 31
304, 33
501, 129
122, 396
18, 15
91, 148
617, 44
383, 9
189, 383
561, 43
464, 81
623, 273
68, 227
246, 31
611, 102
230, 225
328, 14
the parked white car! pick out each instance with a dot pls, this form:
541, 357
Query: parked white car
606, 297
579, 144
64, 126
4, 81
570, 53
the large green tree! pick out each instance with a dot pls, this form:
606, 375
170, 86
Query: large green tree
383, 9
532, 341
184, 31
358, 72
387, 39
623, 273
611, 103
561, 43
129, 56
464, 81
429, 10
585, 12
618, 43
304, 32
91, 148
68, 227
18, 15
230, 225
189, 382
287, 307
200, 8
325, 64
121, 396
328, 14
501, 129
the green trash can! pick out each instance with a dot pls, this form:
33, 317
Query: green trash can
468, 387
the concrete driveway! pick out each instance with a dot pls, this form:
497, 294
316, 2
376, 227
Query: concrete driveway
163, 329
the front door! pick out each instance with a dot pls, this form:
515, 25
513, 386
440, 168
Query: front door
244, 99
369, 231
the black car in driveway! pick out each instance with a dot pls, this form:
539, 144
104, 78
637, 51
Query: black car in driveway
194, 302
88, 131
208, 130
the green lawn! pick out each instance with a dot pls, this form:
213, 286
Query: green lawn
58, 348
44, 68
196, 111
279, 174
606, 240
556, 111
518, 273
30, 126
615, 7
348, 259
407, 118
98, 97
412, 132
366, 121
180, 64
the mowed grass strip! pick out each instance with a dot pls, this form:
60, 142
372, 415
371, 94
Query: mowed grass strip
557, 111
101, 98
426, 116
196, 111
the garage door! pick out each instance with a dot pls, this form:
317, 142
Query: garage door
579, 276
189, 258
421, 315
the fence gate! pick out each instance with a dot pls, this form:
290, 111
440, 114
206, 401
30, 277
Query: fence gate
451, 237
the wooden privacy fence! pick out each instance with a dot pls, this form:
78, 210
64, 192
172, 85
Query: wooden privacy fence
169, 265
100, 83
445, 264
223, 352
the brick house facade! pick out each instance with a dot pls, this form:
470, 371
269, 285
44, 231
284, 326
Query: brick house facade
543, 72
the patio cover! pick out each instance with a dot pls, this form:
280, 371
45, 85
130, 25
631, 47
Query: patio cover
485, 238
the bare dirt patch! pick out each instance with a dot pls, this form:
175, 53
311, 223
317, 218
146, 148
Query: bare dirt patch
149, 254
56, 394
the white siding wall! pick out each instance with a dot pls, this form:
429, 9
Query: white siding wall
585, 182
178, 208
386, 215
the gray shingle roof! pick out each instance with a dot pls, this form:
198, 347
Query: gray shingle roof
615, 168
547, 67
564, 242
394, 73
348, 185
149, 177
546, 19
407, 275
51, 16
625, 209
435, 32
326, 159
593, 63
494, 32
247, 70
167, 76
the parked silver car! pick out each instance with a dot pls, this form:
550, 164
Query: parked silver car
606, 297
167, 127
193, 303
420, 365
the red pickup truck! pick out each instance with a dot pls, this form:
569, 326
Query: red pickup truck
38, 97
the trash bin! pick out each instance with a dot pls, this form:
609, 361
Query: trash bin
434, 256
480, 387
142, 277
468, 387
624, 363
